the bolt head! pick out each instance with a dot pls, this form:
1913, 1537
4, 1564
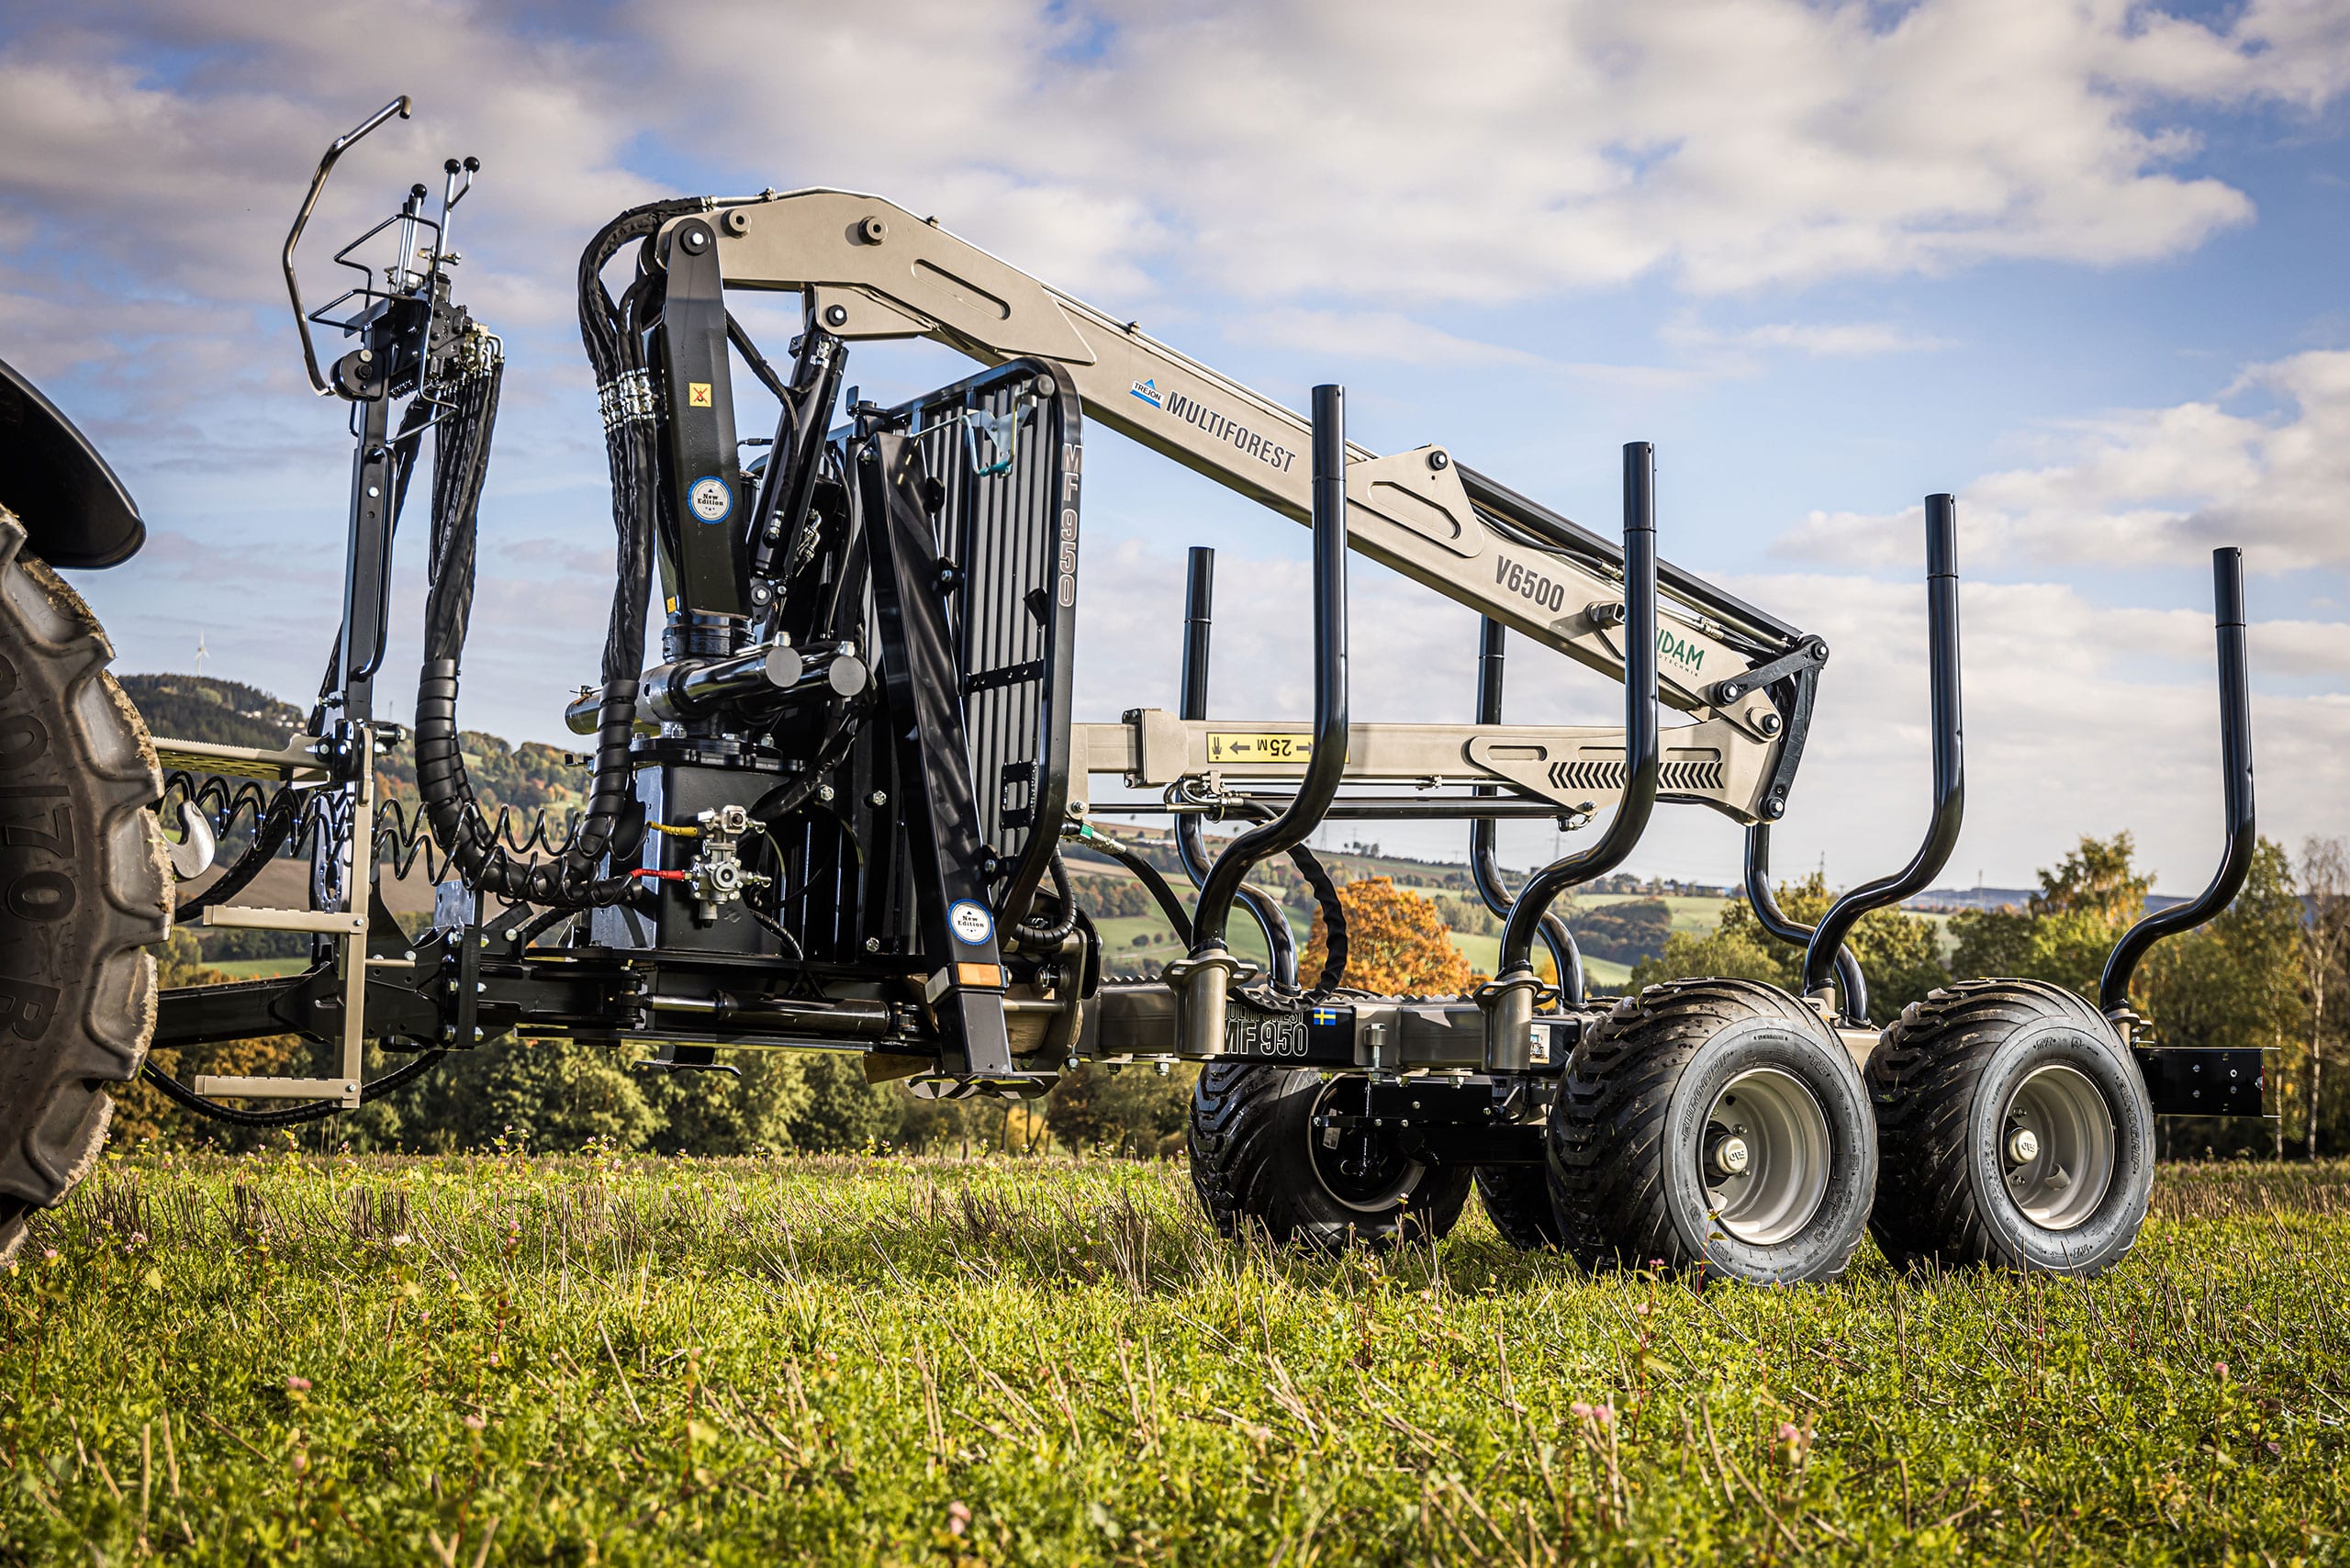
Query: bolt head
2023, 1146
1768, 723
694, 239
873, 944
835, 315
878, 798
1732, 1157
1439, 461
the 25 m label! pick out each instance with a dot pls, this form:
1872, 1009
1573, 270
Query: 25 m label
1234, 748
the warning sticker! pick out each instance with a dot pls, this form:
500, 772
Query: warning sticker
1230, 748
697, 394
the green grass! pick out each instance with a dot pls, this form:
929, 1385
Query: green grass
1696, 914
262, 968
878, 1360
1484, 955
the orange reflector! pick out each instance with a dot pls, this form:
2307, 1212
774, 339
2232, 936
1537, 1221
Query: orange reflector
985, 977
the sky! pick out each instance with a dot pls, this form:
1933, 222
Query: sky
2078, 263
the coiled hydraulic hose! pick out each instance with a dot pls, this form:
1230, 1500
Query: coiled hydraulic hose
616, 350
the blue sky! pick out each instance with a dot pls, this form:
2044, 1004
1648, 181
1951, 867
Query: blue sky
2080, 264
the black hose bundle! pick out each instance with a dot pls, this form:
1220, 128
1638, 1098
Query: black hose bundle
1048, 934
616, 349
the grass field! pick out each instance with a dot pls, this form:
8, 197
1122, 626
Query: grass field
499, 1359
262, 968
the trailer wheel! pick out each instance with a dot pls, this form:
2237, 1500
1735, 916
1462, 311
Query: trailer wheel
1714, 1122
84, 887
1258, 1163
1518, 1200
2016, 1131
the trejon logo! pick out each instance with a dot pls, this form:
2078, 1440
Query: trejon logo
1148, 392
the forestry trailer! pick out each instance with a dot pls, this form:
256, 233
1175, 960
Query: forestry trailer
832, 815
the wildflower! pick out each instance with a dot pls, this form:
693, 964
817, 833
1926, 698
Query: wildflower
2221, 1368
297, 1386
49, 1255
476, 1422
402, 1238
958, 1518
1602, 1414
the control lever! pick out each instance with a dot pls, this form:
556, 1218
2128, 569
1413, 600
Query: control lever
335, 150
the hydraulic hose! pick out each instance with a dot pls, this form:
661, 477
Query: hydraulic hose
1054, 932
180, 1094
615, 349
1149, 876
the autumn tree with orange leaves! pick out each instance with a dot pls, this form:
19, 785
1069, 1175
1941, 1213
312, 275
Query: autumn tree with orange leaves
1396, 943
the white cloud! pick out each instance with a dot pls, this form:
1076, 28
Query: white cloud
1344, 170
2079, 718
1376, 334
1815, 340
2156, 486
2066, 733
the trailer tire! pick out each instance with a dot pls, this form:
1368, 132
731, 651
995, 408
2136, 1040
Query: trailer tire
1957, 1079
1518, 1200
85, 887
1257, 1166
1663, 1086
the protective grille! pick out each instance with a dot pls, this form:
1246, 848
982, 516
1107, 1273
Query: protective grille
1006, 447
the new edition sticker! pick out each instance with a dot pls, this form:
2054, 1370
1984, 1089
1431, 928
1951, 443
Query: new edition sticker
970, 923
710, 499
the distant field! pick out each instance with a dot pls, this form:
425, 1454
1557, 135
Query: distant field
1008, 1361
260, 968
1484, 955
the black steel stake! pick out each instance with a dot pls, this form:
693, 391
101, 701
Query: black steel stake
2235, 755
1950, 760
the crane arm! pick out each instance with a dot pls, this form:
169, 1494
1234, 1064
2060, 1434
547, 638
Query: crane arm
868, 269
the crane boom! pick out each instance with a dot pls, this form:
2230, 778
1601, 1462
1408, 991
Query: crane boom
869, 270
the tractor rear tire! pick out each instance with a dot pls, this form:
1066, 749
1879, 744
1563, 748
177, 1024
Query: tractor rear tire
1674, 1088
1258, 1164
85, 887
2016, 1130
1518, 1200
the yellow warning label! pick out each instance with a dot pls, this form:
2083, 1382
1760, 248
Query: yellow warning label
1231, 748
698, 394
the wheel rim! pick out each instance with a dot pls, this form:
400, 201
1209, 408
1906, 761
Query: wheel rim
2057, 1142
1765, 1156
1360, 1169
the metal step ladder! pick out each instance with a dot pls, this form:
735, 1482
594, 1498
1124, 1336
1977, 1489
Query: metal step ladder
348, 925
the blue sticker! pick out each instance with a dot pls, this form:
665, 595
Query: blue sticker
711, 498
971, 924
